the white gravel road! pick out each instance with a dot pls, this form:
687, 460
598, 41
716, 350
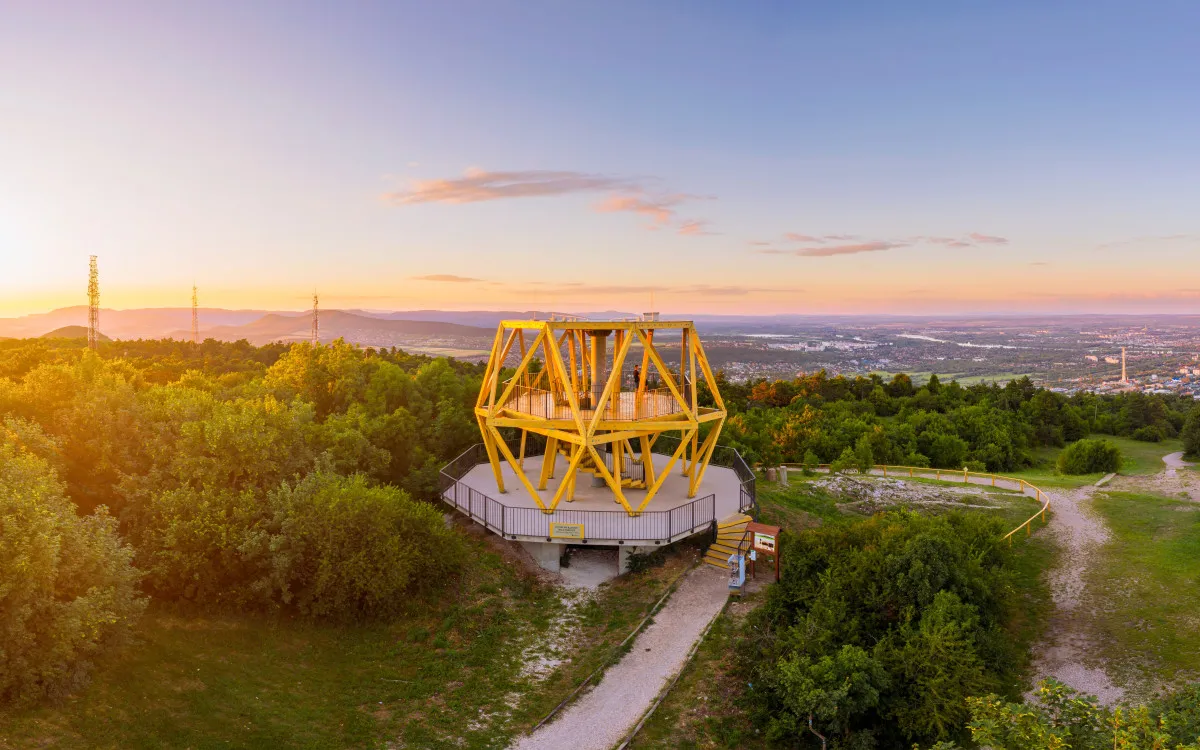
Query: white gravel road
604, 715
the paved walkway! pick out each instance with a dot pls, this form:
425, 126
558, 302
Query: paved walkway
604, 715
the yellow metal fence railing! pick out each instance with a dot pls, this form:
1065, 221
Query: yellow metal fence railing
967, 477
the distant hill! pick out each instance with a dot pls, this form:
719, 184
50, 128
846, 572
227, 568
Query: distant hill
356, 328
142, 323
71, 332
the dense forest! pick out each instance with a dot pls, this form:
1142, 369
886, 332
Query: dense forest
985, 427
302, 479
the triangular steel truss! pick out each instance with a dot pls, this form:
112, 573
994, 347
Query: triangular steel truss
580, 404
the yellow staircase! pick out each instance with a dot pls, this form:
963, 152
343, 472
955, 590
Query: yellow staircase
588, 465
730, 539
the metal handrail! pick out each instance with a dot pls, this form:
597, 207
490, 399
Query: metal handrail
554, 404
612, 525
950, 475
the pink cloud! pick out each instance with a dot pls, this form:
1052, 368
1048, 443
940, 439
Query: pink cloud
985, 239
861, 247
659, 210
478, 185
447, 277
694, 228
794, 237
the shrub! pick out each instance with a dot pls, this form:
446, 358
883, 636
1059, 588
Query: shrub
1148, 434
1090, 456
345, 549
68, 591
327, 545
881, 630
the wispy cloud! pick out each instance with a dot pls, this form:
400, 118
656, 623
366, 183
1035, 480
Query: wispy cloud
660, 210
694, 228
447, 277
478, 185
1159, 239
827, 251
579, 289
987, 239
636, 196
817, 246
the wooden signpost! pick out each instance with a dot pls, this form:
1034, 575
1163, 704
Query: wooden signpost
764, 541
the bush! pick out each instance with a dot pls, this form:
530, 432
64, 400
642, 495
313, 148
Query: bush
881, 630
1148, 434
327, 545
68, 591
1090, 456
345, 549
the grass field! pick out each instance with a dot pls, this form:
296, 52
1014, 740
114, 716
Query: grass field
1139, 459
704, 710
1144, 588
448, 674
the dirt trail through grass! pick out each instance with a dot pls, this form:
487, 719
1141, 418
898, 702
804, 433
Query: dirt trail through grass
1063, 654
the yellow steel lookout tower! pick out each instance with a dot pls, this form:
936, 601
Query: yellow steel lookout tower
603, 394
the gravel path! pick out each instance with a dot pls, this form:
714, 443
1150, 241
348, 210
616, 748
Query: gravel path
1079, 533
604, 715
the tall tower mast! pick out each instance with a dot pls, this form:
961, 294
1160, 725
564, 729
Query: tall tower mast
195, 316
93, 304
316, 320
1124, 379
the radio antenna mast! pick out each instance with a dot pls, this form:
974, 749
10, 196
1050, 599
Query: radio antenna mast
93, 304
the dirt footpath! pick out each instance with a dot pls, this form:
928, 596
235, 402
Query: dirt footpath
604, 715
1079, 533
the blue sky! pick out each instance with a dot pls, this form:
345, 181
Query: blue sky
728, 157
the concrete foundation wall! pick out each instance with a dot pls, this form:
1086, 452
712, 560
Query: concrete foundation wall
547, 554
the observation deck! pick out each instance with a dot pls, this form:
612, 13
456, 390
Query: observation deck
593, 416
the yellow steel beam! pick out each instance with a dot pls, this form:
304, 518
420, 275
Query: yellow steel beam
548, 459
666, 472
708, 373
618, 360
494, 385
600, 325
568, 481
609, 437
508, 456
612, 484
491, 366
712, 439
662, 369
572, 397
521, 367
489, 445
647, 460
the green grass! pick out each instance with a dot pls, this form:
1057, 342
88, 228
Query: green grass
1144, 586
443, 675
1140, 459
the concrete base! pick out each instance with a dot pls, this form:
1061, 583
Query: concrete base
623, 553
546, 554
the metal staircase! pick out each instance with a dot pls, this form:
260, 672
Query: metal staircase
731, 539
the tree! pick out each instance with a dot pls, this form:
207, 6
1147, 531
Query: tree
1191, 434
833, 690
68, 591
864, 457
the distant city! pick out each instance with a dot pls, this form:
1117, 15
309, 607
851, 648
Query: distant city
1066, 353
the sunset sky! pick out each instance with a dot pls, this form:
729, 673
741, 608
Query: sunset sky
770, 157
